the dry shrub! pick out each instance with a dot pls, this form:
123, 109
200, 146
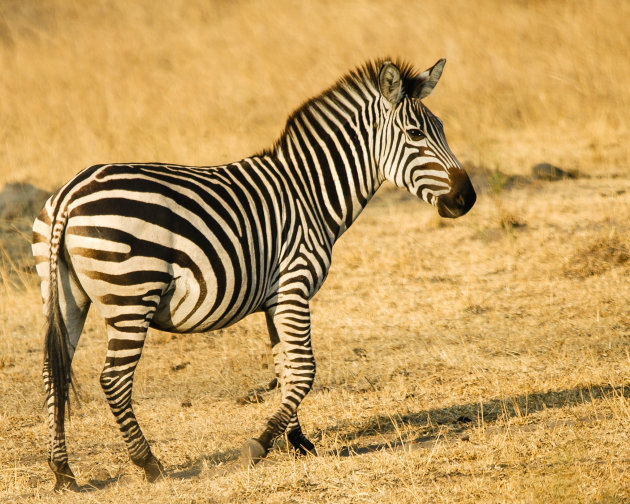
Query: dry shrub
19, 203
601, 255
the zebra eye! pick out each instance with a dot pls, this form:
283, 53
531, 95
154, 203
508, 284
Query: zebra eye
415, 134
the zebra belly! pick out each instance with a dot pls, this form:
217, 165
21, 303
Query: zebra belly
183, 308
162, 276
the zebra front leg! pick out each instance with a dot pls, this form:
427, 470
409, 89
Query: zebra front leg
290, 331
123, 353
297, 438
295, 435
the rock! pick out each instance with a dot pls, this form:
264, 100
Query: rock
18, 200
547, 171
19, 204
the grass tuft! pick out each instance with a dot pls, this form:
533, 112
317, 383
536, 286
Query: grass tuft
600, 255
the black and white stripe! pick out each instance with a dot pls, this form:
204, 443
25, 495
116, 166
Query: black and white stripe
189, 249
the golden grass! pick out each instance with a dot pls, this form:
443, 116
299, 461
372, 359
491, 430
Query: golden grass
482, 359
453, 365
211, 82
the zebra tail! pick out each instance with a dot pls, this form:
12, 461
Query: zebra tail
57, 360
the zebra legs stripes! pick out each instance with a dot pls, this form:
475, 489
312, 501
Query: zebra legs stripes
297, 438
290, 331
124, 347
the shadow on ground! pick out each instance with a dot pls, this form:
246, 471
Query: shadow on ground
462, 417
218, 464
458, 419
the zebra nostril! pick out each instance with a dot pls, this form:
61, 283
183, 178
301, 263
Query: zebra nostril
460, 200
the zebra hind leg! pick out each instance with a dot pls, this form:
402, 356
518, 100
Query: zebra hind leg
71, 306
124, 348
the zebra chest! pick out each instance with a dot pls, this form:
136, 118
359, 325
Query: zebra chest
306, 269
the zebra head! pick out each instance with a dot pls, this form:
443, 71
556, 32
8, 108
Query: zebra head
414, 153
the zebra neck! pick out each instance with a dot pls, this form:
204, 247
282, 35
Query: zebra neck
333, 181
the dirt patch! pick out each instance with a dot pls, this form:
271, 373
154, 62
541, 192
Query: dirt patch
19, 204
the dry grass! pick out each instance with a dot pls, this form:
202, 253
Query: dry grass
209, 82
482, 359
602, 254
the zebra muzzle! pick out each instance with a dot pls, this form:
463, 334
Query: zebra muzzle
460, 199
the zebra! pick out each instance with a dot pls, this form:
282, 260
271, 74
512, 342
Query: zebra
193, 249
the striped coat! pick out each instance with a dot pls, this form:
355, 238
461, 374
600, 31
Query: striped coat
189, 249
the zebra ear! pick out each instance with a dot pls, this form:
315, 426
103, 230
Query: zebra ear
426, 81
389, 82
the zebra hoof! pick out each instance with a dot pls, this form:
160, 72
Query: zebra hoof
64, 478
153, 470
301, 444
252, 453
302, 451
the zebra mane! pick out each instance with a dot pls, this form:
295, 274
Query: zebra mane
357, 82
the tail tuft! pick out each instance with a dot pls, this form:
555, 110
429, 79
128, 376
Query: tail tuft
57, 362
57, 359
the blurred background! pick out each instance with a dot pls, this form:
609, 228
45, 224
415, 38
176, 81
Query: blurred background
208, 82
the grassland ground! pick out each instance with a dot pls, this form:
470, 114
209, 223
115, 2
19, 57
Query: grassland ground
482, 359
457, 361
